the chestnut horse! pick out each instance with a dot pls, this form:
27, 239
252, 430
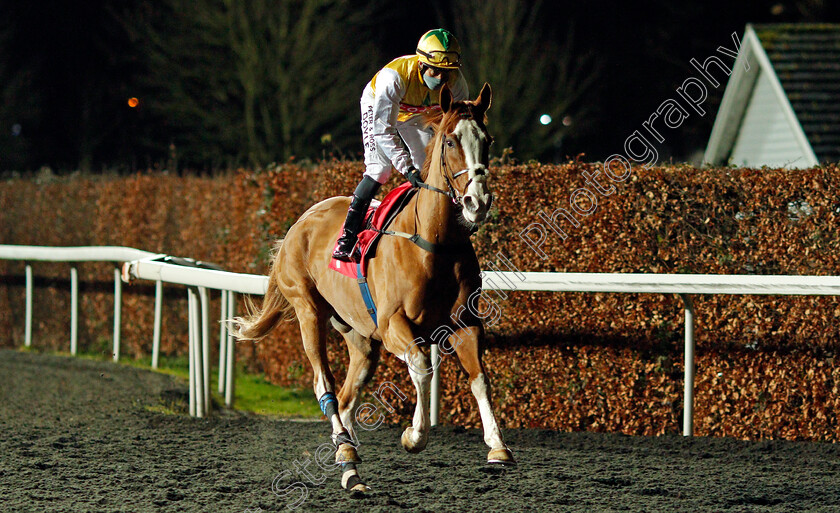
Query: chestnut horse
419, 294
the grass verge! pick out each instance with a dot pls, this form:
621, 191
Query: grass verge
252, 392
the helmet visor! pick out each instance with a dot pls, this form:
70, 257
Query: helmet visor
441, 59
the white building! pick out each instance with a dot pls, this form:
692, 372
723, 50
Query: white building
784, 111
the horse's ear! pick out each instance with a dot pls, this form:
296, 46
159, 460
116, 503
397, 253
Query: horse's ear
445, 99
485, 97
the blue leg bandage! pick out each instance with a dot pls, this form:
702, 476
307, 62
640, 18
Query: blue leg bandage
329, 404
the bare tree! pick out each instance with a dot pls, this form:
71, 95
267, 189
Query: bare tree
260, 80
189, 91
533, 73
18, 112
301, 65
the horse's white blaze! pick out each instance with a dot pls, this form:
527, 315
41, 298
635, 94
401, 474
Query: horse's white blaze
476, 197
472, 141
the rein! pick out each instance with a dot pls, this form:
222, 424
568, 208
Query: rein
452, 194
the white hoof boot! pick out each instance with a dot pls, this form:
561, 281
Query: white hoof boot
351, 481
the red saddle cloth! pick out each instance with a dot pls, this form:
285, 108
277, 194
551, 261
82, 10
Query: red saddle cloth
378, 218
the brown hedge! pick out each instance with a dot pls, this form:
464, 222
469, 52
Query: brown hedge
574, 361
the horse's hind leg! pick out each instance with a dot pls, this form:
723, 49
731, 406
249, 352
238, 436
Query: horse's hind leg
465, 344
364, 357
313, 331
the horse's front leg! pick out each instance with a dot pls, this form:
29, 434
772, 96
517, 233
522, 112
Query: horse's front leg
465, 344
415, 437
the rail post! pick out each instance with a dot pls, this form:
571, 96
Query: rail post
117, 312
688, 392
196, 358
231, 352
74, 310
204, 297
191, 348
27, 337
156, 333
223, 341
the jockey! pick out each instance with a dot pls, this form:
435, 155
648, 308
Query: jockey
393, 127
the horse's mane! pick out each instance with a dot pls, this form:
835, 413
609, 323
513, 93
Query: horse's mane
431, 120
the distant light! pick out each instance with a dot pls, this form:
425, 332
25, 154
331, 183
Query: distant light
133, 102
567, 121
16, 129
545, 119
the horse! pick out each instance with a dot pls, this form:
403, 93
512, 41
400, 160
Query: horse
420, 289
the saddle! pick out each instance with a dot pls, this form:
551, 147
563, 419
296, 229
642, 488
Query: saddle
379, 216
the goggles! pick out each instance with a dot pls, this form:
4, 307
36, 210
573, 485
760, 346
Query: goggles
440, 58
437, 71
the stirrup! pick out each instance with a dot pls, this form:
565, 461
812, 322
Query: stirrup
346, 255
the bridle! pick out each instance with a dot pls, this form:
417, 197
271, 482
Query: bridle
452, 193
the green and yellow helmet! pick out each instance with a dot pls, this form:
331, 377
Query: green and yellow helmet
438, 48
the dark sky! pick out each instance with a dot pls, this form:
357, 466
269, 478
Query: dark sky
645, 48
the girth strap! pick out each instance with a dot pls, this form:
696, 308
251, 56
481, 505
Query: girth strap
363, 286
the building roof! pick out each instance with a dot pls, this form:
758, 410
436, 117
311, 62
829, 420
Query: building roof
806, 59
803, 64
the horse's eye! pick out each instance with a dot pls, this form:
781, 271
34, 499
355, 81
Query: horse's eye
450, 143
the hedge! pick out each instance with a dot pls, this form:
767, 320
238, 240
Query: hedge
570, 361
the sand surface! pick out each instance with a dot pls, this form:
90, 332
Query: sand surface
79, 435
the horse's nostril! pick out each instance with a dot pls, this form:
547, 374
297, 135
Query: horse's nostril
470, 204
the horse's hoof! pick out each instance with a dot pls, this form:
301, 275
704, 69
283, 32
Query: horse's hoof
359, 490
353, 484
501, 456
409, 445
346, 453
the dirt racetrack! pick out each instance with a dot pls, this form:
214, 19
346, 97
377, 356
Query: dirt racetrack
79, 435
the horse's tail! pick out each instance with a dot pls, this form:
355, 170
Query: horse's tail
260, 321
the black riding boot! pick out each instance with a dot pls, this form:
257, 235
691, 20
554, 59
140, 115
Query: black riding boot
362, 196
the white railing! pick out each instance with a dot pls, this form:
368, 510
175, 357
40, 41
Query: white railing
682, 284
198, 280
115, 254
198, 301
